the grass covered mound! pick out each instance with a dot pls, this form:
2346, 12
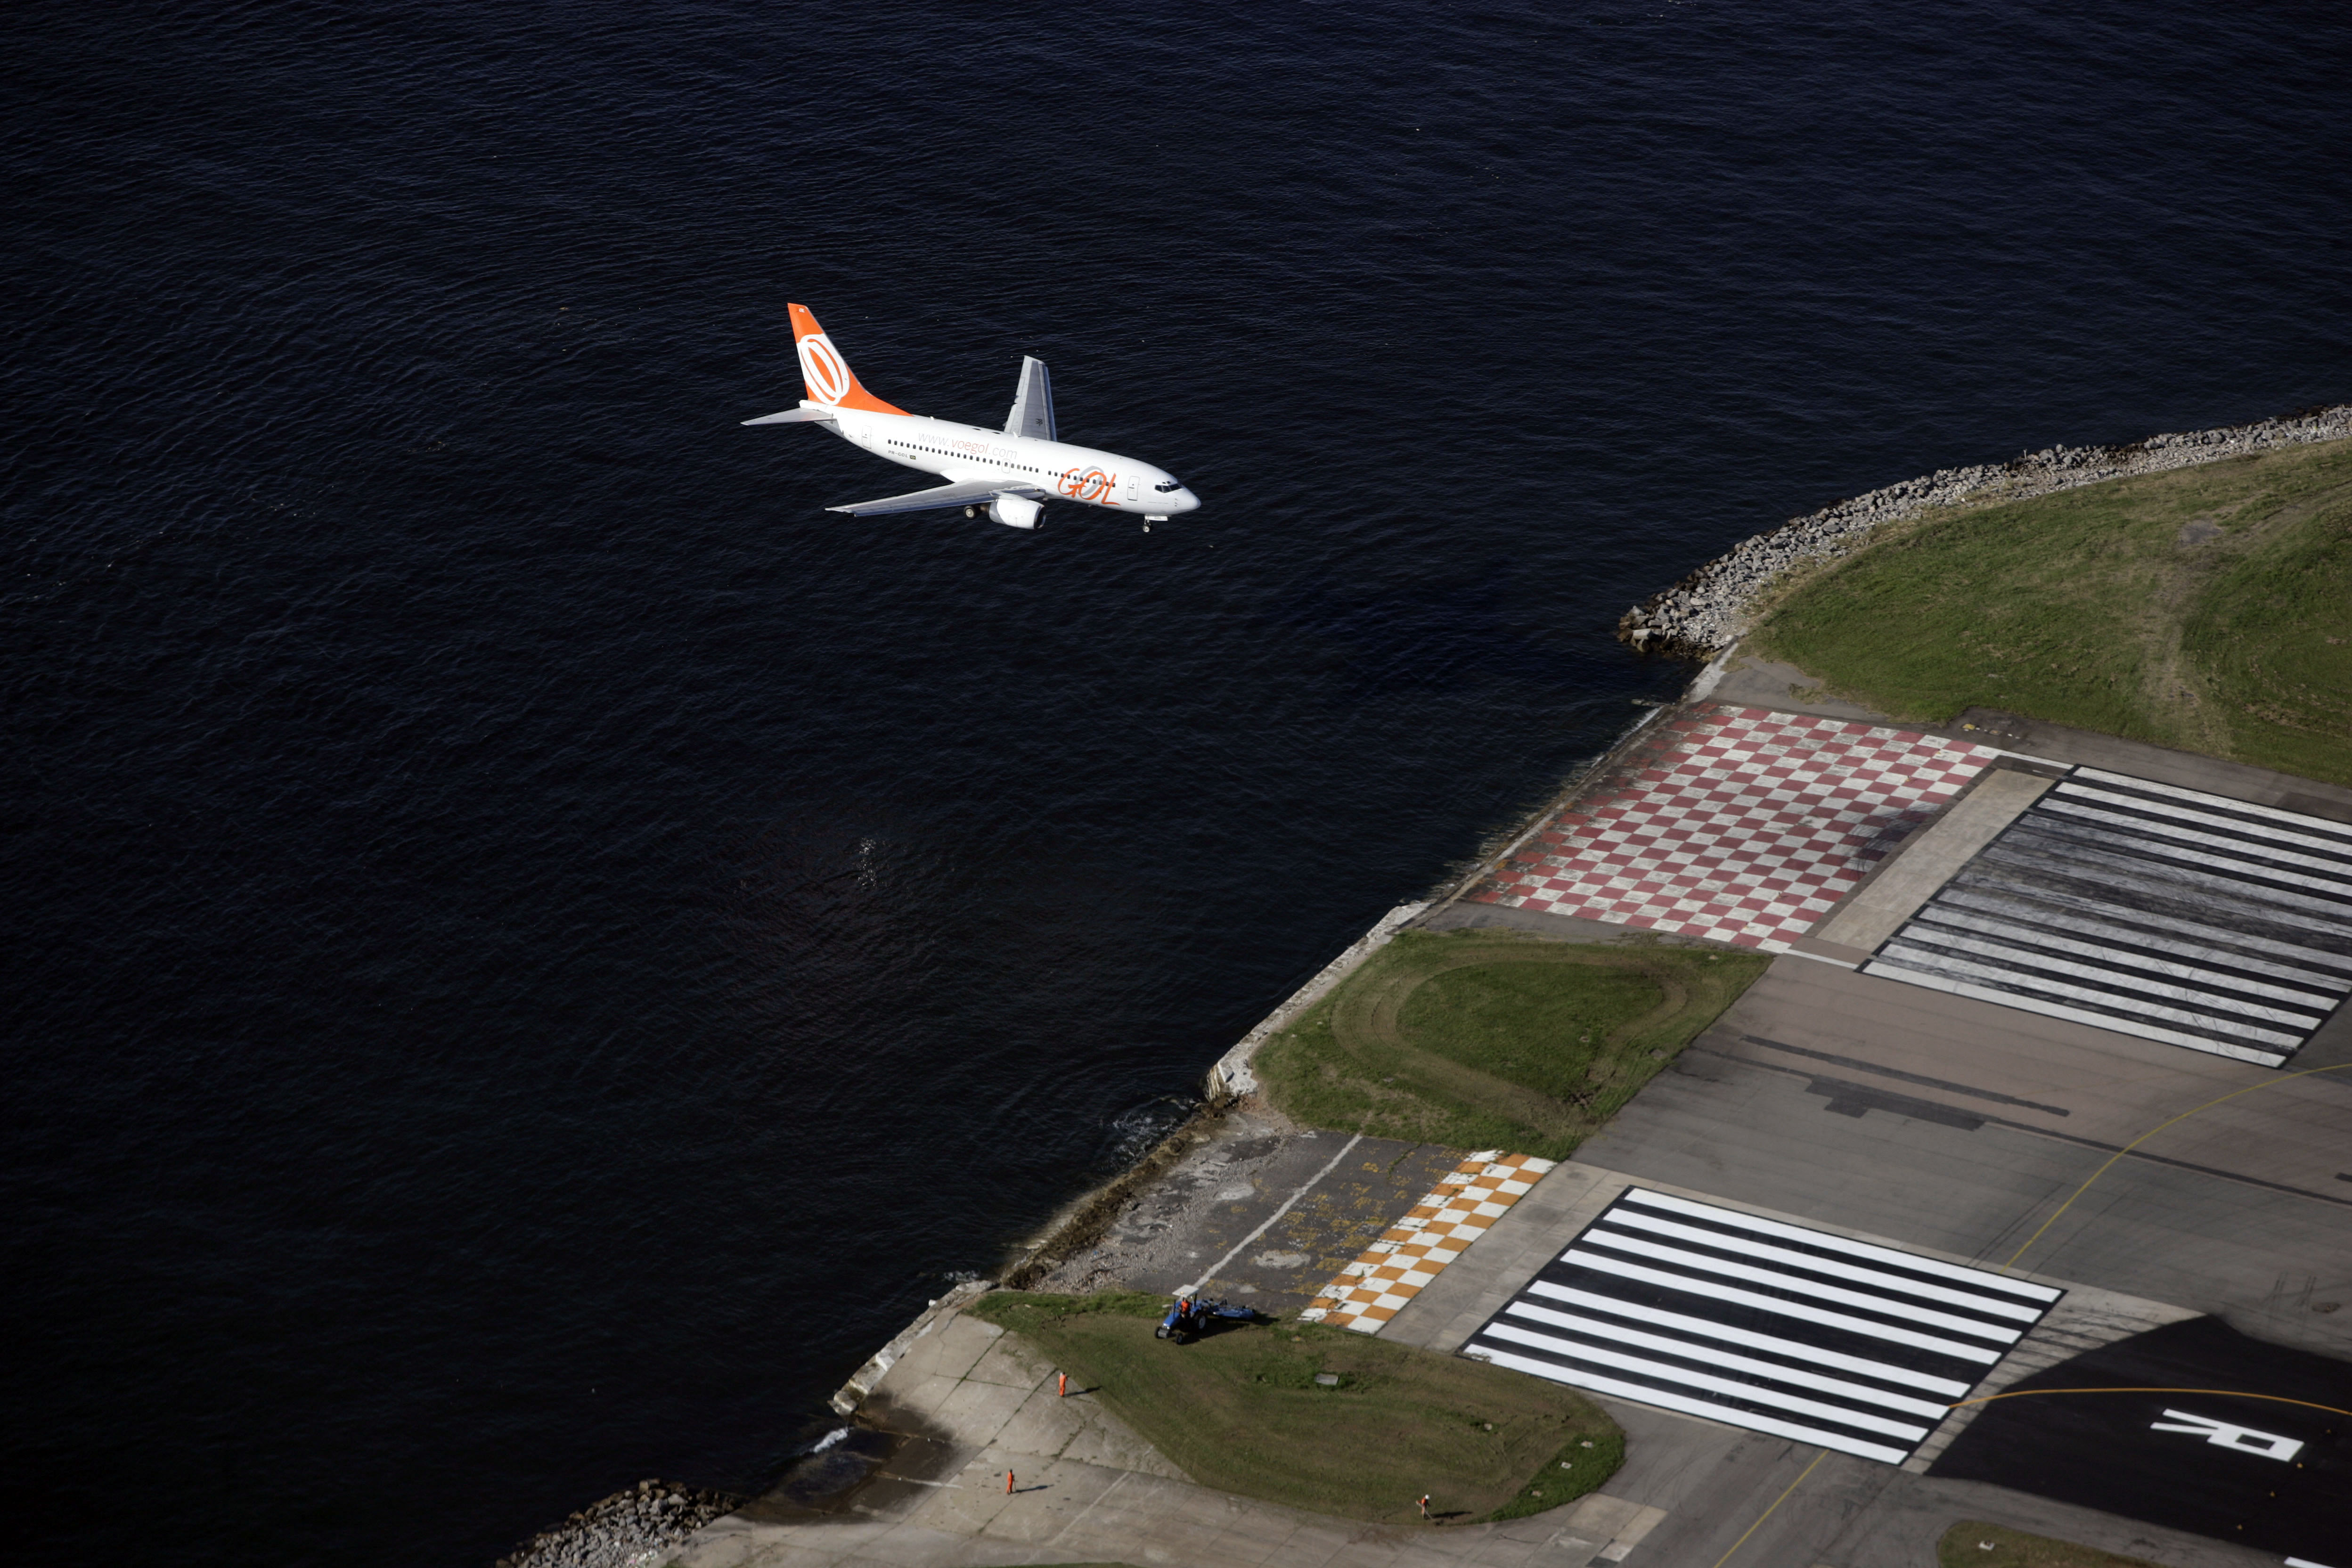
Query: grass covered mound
1492, 1039
1965, 1546
1240, 1410
2209, 609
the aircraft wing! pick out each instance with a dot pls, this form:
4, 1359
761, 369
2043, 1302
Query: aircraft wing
967, 493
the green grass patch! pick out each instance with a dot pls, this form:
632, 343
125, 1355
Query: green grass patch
1970, 1544
2208, 608
1240, 1410
1492, 1039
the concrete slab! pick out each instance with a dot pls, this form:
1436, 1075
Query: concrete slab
1047, 1503
979, 1411
1042, 1426
952, 1348
1104, 1439
1909, 878
1753, 682
1008, 1361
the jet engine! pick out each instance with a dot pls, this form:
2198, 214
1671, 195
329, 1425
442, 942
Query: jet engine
1015, 511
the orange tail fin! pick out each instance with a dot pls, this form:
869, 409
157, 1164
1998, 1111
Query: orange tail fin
825, 374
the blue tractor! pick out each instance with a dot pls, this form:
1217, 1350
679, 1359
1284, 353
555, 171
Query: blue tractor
1190, 1315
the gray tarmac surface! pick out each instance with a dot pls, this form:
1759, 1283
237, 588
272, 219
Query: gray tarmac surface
2259, 1258
1329, 1197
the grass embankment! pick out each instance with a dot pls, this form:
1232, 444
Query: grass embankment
1240, 1411
1963, 1546
2208, 608
1490, 1039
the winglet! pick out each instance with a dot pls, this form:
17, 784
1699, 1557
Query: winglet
828, 376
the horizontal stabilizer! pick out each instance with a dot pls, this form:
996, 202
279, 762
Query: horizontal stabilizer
792, 416
969, 493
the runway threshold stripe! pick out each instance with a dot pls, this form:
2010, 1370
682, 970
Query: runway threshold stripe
1925, 951
1665, 1400
2156, 954
1823, 1239
1670, 1332
1976, 889
2040, 955
1656, 1252
1744, 1392
2275, 880
2044, 866
1707, 1328
1571, 1328
2201, 868
2198, 831
2120, 1023
2003, 905
2036, 841
1790, 1258
2296, 821
1707, 1289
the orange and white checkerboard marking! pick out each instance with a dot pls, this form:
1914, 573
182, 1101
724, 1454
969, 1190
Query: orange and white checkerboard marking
1393, 1269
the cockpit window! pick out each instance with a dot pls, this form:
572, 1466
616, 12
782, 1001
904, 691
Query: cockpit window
1169, 485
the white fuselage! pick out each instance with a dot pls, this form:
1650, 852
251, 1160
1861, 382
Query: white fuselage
1055, 470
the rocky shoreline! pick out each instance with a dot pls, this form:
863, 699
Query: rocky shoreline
628, 1530
1709, 610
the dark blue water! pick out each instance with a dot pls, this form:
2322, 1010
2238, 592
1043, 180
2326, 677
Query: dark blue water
533, 946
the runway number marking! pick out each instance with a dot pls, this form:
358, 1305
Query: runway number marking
2223, 1435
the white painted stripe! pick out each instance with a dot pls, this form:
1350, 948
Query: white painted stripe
1573, 1327
2258, 833
1935, 981
1998, 937
1598, 1237
1681, 1404
1771, 1398
1210, 1272
1982, 1278
2124, 877
1711, 1291
1682, 1323
2113, 861
1784, 1256
2082, 915
2210, 873
2277, 814
2191, 841
2166, 955
1904, 949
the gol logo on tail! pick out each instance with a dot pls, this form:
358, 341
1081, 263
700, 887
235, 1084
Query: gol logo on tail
827, 375
1091, 485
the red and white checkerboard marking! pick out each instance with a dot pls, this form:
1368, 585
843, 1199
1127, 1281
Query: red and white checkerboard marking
1744, 825
1392, 1270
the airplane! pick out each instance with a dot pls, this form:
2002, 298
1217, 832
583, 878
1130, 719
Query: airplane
1008, 475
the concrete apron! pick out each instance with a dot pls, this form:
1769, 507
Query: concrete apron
969, 1403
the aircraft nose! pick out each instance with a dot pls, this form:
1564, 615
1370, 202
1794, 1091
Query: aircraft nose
1185, 501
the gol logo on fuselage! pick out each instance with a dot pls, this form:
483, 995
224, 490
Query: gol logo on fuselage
1092, 485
